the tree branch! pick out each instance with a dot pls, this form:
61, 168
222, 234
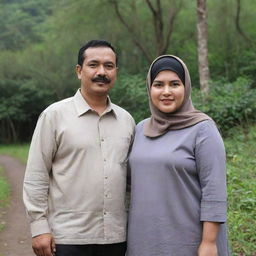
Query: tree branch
131, 31
158, 24
160, 15
237, 22
159, 28
172, 15
151, 7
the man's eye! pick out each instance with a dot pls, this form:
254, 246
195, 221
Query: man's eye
92, 65
109, 66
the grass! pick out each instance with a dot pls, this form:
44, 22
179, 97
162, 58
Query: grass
241, 179
4, 189
18, 151
241, 167
4, 193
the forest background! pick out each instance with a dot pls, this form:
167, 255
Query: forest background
40, 39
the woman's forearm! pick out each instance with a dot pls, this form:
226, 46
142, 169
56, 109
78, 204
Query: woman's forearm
210, 231
208, 246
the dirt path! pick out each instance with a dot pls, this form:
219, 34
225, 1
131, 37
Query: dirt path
15, 238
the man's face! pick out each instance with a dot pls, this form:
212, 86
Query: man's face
98, 72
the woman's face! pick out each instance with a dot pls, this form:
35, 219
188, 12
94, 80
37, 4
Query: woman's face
167, 91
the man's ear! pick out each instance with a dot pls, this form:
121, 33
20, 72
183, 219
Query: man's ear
78, 71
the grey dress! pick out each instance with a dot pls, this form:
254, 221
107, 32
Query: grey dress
178, 180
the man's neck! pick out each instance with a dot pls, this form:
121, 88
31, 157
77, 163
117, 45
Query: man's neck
96, 102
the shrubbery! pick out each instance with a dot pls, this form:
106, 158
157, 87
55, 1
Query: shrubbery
21, 101
229, 104
20, 104
130, 93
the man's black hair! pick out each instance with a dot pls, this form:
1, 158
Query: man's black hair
93, 43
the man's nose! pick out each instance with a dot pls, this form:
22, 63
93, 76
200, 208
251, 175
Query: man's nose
101, 70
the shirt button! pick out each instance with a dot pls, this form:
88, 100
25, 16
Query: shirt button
106, 177
105, 213
105, 160
102, 139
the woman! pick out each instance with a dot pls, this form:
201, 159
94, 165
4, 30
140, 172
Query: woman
178, 180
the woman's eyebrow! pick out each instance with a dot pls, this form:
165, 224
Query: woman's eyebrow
159, 81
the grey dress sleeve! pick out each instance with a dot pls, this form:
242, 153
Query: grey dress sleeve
211, 165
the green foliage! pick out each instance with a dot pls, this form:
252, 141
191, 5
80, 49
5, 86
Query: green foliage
43, 38
20, 105
229, 104
19, 151
130, 93
19, 22
241, 151
230, 53
39, 41
4, 190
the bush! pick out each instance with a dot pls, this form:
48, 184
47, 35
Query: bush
229, 104
22, 100
130, 93
20, 104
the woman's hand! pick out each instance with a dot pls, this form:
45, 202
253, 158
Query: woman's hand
207, 249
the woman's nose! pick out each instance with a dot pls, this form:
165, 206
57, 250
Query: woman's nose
167, 90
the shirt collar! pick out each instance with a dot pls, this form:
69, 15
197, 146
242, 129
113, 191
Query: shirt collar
83, 107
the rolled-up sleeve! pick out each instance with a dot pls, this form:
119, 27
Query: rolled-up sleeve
36, 181
211, 166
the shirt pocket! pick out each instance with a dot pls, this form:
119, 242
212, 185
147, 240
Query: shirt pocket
119, 149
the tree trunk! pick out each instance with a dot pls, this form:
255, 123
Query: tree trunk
162, 29
202, 40
12, 130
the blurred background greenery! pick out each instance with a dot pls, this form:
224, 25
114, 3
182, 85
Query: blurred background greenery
39, 42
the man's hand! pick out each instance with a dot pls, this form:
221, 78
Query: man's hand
207, 249
43, 245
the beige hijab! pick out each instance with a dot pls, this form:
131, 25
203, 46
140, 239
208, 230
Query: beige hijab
159, 122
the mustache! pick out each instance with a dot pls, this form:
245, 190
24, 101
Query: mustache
102, 79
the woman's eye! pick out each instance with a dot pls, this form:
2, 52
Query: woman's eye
175, 84
157, 85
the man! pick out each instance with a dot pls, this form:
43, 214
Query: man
75, 180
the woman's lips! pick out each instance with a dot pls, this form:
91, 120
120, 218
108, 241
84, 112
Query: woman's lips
167, 101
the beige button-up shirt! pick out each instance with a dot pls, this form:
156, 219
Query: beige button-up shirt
75, 180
